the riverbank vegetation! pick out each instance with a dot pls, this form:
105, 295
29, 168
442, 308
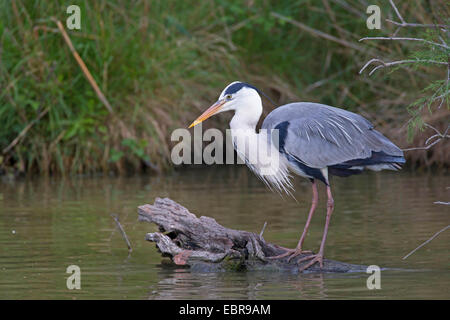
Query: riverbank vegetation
158, 64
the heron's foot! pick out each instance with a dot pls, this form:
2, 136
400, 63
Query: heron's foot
315, 258
291, 253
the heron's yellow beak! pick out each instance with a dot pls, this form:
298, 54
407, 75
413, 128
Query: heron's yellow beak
215, 108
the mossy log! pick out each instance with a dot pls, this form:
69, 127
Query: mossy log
204, 245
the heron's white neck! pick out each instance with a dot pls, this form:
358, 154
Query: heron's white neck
247, 116
256, 149
243, 124
243, 128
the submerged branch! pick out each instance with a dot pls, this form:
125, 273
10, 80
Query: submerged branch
429, 240
205, 245
122, 231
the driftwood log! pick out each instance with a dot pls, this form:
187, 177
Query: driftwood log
204, 245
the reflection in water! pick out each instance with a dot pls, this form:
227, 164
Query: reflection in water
48, 224
181, 283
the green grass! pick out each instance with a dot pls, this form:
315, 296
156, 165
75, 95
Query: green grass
160, 63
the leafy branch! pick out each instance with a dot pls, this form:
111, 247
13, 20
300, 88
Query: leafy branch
436, 52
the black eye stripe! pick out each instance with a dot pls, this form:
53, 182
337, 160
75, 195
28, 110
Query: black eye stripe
239, 85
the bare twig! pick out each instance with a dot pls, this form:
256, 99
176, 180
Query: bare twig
442, 40
318, 32
90, 78
53, 30
389, 64
422, 148
122, 231
436, 138
403, 23
83, 67
417, 25
324, 81
436, 130
442, 97
438, 135
434, 236
262, 230
25, 130
442, 202
351, 8
406, 39
396, 11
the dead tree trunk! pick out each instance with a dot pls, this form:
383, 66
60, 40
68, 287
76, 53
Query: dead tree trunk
204, 245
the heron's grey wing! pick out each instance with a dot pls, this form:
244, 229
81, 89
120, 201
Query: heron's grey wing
321, 136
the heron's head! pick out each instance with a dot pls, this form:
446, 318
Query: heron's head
237, 96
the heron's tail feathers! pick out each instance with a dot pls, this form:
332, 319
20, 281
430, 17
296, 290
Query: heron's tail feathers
378, 161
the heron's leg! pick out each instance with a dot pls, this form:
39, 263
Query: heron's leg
298, 250
319, 256
315, 200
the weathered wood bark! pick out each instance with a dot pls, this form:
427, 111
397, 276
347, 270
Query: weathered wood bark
204, 245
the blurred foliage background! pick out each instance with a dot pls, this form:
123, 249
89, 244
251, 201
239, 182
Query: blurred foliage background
160, 63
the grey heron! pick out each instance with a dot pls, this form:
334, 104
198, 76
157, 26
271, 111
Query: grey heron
313, 141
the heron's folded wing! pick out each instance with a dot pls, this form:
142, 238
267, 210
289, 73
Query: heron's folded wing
327, 138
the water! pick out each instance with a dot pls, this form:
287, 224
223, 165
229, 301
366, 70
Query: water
48, 224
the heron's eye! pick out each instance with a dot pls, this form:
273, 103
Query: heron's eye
228, 97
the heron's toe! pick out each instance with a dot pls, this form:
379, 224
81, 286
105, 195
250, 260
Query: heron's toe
298, 252
290, 253
315, 258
